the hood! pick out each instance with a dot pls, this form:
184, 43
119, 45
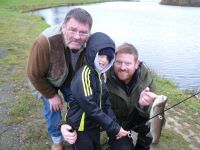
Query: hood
96, 42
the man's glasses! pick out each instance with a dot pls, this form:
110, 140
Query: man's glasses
120, 63
82, 34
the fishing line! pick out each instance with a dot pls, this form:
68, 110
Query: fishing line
174, 105
140, 125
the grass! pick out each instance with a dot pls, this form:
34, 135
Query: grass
18, 31
168, 88
21, 6
172, 141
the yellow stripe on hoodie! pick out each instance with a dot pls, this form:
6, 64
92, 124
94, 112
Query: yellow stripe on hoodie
86, 81
87, 92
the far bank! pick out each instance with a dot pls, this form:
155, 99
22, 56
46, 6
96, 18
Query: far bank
194, 3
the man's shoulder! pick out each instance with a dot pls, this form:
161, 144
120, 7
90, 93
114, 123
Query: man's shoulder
144, 72
111, 80
110, 74
144, 68
51, 31
42, 39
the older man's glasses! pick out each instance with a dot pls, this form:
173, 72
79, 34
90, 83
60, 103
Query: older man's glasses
82, 34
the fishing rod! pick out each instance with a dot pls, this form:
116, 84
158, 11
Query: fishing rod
129, 135
137, 126
174, 105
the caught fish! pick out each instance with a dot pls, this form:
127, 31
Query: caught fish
158, 121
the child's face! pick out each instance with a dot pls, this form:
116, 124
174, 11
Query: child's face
103, 61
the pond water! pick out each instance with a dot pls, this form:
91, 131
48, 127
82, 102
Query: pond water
167, 37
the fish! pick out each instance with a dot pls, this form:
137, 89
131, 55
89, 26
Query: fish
157, 122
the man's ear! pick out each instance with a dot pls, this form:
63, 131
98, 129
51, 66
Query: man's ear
63, 27
137, 63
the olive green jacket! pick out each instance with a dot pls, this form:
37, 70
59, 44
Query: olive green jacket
125, 102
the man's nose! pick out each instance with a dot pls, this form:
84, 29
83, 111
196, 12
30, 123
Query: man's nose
77, 35
123, 66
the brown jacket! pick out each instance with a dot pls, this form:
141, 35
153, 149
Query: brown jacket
49, 65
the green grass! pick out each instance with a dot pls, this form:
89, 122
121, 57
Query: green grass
168, 88
22, 6
18, 31
171, 141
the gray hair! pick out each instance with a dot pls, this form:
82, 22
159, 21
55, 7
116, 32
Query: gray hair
80, 15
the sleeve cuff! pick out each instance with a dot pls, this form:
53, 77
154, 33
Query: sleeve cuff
60, 124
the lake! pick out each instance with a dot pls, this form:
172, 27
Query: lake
167, 37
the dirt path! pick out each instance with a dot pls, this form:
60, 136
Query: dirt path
9, 135
189, 131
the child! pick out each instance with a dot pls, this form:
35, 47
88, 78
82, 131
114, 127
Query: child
90, 107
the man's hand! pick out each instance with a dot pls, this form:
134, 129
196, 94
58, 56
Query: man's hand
121, 133
146, 97
68, 136
55, 103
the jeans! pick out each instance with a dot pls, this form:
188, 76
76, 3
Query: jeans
54, 118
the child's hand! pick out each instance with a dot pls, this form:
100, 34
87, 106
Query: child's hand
121, 133
69, 136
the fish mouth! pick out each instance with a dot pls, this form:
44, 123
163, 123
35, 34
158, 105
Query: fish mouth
164, 100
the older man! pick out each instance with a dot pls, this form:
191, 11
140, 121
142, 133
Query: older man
54, 58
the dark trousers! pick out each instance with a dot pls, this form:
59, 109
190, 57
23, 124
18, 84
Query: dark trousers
124, 143
143, 142
88, 140
144, 138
